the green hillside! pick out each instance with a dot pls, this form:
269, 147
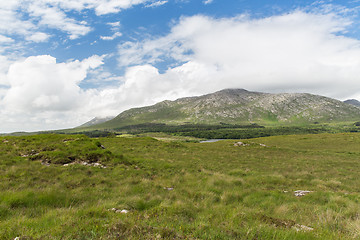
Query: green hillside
238, 106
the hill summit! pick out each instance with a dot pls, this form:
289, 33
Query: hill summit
235, 106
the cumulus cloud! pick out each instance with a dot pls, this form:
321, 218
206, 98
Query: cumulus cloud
5, 63
40, 84
292, 52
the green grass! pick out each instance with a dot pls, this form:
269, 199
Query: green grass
220, 191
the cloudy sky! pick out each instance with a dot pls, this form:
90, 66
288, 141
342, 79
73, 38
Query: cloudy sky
63, 62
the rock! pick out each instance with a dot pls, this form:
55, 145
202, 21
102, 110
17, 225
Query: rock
32, 153
263, 145
86, 164
68, 164
300, 193
45, 163
169, 188
124, 211
102, 146
299, 227
17, 238
238, 144
98, 165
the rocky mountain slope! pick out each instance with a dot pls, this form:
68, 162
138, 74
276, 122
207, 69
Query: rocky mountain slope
353, 102
96, 120
240, 106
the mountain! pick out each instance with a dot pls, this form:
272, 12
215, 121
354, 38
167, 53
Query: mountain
96, 120
353, 102
240, 106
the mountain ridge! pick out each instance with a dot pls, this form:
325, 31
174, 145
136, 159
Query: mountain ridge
240, 106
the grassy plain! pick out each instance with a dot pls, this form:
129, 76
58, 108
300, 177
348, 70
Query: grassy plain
179, 189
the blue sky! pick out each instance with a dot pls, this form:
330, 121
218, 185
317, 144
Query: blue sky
63, 62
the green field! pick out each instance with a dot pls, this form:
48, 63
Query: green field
179, 189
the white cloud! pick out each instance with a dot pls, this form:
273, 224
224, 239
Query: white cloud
115, 28
45, 85
5, 63
114, 6
112, 37
101, 7
54, 17
38, 37
43, 94
153, 51
292, 52
4, 39
207, 1
114, 24
157, 3
26, 17
10, 19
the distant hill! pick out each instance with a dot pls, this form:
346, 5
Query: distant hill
353, 102
96, 120
234, 106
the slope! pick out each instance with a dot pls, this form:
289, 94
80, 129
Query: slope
239, 106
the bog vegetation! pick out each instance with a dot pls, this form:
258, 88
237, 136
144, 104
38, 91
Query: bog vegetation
75, 187
220, 131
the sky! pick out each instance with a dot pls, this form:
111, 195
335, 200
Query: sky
64, 62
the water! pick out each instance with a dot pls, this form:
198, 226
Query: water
211, 140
